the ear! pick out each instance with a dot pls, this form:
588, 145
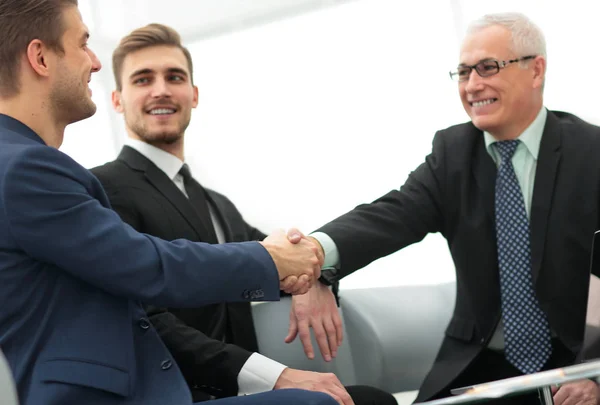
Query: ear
195, 99
38, 57
116, 101
539, 71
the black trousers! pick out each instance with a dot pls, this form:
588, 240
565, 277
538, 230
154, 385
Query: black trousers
491, 365
365, 395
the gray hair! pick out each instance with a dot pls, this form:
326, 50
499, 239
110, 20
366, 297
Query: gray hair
527, 38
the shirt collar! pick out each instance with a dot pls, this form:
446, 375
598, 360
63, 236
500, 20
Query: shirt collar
166, 162
531, 137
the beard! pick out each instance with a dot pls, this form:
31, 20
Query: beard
157, 136
70, 101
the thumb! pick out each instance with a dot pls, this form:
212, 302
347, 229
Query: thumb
294, 235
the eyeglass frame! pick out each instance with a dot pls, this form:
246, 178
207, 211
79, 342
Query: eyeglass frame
501, 64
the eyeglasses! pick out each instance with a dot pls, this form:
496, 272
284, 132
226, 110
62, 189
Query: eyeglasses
484, 68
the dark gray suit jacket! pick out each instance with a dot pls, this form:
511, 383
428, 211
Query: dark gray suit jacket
148, 200
452, 192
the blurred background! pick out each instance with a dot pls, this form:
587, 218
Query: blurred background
310, 107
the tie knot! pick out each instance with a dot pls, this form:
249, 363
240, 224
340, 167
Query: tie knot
185, 172
507, 149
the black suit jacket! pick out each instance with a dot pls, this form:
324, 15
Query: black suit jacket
452, 192
150, 202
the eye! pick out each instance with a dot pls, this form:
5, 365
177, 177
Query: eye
488, 66
176, 78
141, 80
463, 72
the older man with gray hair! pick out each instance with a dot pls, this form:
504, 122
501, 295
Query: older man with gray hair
515, 192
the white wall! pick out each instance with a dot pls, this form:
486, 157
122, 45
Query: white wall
304, 118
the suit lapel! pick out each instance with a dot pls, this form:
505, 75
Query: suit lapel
543, 189
484, 171
167, 188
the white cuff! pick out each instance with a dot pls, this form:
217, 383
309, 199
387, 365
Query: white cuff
259, 374
332, 257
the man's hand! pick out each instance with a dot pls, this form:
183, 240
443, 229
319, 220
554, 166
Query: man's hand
309, 380
291, 284
298, 264
584, 392
318, 309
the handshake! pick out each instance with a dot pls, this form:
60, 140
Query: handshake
298, 260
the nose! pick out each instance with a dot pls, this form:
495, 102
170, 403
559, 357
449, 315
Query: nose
474, 83
96, 65
160, 88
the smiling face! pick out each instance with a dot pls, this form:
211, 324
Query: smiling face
157, 94
506, 103
70, 95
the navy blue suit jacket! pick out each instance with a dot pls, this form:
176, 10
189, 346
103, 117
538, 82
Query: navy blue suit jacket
72, 276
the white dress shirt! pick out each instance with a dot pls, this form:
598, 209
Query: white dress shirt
259, 373
524, 163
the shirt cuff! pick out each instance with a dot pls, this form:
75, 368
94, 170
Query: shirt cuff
259, 374
332, 256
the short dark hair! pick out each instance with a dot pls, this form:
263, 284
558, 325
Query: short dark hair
145, 37
22, 21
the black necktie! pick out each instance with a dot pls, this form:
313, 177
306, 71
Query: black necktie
197, 196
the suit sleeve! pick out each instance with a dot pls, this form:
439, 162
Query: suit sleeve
395, 220
209, 364
56, 217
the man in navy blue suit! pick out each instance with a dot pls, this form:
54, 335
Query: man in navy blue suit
72, 274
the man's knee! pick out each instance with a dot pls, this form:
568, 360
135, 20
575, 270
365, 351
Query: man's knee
303, 397
278, 397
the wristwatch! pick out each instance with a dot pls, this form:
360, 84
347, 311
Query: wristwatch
328, 276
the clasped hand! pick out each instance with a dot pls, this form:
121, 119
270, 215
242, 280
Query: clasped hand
297, 259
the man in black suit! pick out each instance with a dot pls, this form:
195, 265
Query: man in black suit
152, 190
515, 192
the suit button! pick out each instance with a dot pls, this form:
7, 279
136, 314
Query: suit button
166, 364
482, 341
144, 324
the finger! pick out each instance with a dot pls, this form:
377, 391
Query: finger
341, 394
293, 329
317, 270
561, 396
331, 336
288, 283
302, 291
339, 327
294, 235
317, 244
321, 338
301, 285
331, 390
347, 399
304, 333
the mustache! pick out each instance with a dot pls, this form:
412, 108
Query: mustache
163, 102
